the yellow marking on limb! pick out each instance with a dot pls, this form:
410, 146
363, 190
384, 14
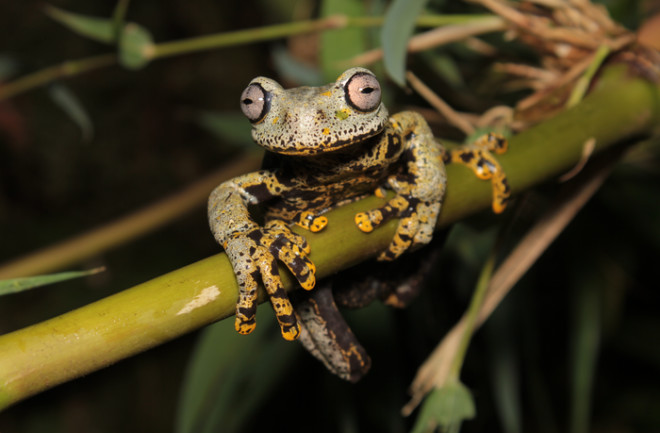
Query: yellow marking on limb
291, 333
363, 222
318, 224
310, 281
244, 328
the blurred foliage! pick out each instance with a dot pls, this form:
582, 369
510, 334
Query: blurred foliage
154, 131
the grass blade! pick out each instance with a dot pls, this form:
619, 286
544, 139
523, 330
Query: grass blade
98, 29
16, 285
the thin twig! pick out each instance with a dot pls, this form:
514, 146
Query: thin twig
52, 73
587, 151
445, 109
436, 37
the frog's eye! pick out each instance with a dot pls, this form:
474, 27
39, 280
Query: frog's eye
363, 92
255, 102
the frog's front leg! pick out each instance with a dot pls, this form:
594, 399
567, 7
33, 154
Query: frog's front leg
478, 156
254, 250
419, 189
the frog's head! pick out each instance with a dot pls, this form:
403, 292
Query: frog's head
313, 120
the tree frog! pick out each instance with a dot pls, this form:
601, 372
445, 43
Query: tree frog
326, 146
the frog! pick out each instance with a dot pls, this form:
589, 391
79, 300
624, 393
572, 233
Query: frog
324, 147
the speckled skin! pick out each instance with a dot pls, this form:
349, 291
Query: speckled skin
325, 146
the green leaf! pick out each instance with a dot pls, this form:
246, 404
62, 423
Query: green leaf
339, 45
69, 103
98, 29
397, 29
8, 67
445, 67
229, 375
445, 408
293, 69
119, 14
16, 285
136, 46
230, 127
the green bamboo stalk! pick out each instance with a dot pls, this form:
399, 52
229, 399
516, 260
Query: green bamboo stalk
43, 355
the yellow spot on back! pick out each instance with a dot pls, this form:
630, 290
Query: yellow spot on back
326, 131
328, 93
275, 120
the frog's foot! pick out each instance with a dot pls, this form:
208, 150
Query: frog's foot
254, 255
326, 335
478, 157
310, 221
416, 224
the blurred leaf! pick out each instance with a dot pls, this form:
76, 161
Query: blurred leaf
231, 127
8, 67
98, 29
399, 25
119, 14
504, 365
16, 285
445, 408
294, 70
67, 101
445, 67
585, 347
136, 46
341, 44
229, 375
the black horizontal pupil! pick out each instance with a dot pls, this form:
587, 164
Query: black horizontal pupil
367, 90
247, 101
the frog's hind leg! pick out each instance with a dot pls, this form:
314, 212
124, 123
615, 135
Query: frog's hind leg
395, 286
326, 335
478, 156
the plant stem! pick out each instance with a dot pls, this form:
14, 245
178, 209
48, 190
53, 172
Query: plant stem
295, 28
84, 340
471, 317
247, 36
167, 49
63, 70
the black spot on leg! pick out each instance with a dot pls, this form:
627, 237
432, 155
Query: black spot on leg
466, 157
507, 188
256, 236
259, 191
248, 313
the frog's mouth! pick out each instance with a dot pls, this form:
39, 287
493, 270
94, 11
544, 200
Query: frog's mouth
324, 147
300, 139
